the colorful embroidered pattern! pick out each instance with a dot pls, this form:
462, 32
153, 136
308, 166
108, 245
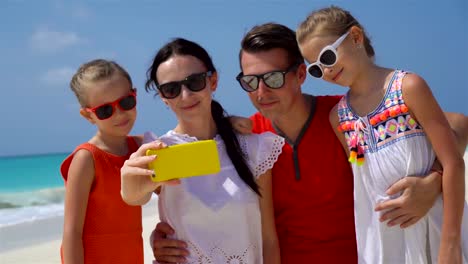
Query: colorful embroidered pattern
390, 121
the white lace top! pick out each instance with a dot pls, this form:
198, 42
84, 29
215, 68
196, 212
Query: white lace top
219, 215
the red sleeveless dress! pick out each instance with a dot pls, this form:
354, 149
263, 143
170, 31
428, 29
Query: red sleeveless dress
112, 229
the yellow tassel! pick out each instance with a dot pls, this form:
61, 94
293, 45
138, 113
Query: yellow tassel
360, 161
352, 156
360, 156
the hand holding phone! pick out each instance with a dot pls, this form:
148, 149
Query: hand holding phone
197, 158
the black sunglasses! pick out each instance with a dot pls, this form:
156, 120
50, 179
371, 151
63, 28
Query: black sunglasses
273, 79
195, 83
106, 110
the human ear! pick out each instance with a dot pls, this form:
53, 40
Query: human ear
213, 81
301, 73
87, 115
165, 101
357, 35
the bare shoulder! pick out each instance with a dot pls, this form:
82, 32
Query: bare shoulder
82, 165
83, 157
413, 83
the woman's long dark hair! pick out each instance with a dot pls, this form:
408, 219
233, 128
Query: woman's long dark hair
183, 47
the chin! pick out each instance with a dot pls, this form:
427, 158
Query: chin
267, 113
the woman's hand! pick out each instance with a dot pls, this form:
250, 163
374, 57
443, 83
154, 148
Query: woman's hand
137, 186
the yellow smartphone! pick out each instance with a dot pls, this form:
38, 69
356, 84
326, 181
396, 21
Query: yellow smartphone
185, 160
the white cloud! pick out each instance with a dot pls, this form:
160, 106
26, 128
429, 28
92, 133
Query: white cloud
49, 41
60, 76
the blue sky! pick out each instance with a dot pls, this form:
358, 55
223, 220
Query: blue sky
43, 42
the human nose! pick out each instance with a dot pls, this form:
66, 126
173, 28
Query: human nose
185, 91
116, 110
327, 71
262, 88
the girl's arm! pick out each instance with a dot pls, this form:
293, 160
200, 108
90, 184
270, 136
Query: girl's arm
271, 250
136, 183
425, 109
334, 122
79, 181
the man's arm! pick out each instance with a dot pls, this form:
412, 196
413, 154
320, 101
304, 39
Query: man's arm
167, 250
459, 124
418, 194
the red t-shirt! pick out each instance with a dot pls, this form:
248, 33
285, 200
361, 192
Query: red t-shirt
314, 204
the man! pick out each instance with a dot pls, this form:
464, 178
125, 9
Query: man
312, 180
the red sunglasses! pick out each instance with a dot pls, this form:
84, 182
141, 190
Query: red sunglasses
125, 103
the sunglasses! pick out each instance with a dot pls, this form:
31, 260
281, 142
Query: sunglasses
273, 79
194, 82
327, 57
106, 110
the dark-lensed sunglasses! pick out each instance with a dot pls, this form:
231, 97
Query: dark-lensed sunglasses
125, 103
273, 79
327, 58
195, 83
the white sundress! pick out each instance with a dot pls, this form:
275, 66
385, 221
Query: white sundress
218, 215
393, 145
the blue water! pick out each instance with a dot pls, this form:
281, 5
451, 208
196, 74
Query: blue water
31, 188
27, 173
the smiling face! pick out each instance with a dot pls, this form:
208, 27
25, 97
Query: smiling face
273, 103
106, 91
188, 106
343, 72
322, 28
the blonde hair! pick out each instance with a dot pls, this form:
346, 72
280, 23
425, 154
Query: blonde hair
331, 20
94, 71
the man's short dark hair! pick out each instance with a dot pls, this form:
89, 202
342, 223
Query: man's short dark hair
270, 36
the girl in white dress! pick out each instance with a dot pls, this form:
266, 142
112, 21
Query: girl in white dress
390, 125
225, 217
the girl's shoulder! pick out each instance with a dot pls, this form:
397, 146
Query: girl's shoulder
81, 157
413, 81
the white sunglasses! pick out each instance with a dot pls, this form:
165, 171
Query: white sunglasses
327, 57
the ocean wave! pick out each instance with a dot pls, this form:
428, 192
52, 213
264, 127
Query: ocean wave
28, 206
32, 198
14, 216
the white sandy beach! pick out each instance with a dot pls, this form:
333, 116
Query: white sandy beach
39, 243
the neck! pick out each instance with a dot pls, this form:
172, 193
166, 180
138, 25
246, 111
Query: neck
292, 122
116, 145
371, 79
201, 128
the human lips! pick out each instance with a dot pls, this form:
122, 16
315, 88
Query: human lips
337, 75
188, 107
123, 123
266, 104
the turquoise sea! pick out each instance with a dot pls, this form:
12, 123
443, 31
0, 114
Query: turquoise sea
31, 188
